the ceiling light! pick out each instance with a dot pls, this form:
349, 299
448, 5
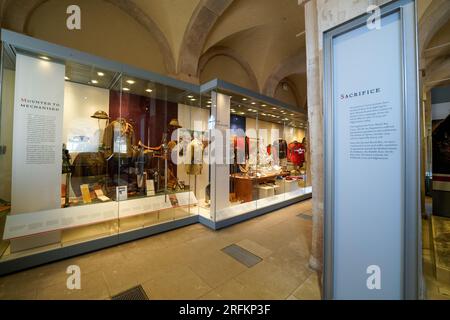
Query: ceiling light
131, 81
208, 102
241, 113
190, 96
274, 108
253, 103
193, 99
148, 90
244, 99
292, 114
264, 105
100, 74
250, 110
94, 81
66, 78
44, 58
263, 114
126, 89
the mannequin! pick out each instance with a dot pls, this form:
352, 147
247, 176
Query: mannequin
296, 153
118, 138
194, 156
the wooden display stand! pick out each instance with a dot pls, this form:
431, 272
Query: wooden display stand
244, 184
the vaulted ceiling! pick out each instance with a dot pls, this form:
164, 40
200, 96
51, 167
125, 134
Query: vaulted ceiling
248, 42
257, 44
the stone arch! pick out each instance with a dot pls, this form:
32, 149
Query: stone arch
19, 11
202, 21
293, 88
434, 18
291, 65
230, 53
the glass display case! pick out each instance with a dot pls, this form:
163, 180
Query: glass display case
263, 161
94, 153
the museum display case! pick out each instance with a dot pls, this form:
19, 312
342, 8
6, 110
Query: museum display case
90, 152
263, 162
94, 153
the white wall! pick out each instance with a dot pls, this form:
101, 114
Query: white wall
440, 111
288, 133
195, 119
80, 103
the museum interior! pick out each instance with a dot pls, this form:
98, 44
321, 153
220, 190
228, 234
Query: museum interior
156, 116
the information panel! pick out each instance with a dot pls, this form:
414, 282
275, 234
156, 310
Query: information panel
368, 125
367, 155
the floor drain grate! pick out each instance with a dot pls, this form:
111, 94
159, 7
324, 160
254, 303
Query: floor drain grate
304, 216
243, 256
136, 293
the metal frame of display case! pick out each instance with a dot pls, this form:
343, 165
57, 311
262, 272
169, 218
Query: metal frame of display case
12, 41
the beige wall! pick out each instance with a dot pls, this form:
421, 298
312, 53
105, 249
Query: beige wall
106, 31
227, 69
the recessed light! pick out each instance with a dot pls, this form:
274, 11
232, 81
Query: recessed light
241, 113
292, 114
66, 78
208, 102
264, 105
94, 81
193, 99
250, 110
190, 96
244, 99
131, 81
148, 90
263, 114
274, 108
100, 74
126, 89
44, 58
253, 103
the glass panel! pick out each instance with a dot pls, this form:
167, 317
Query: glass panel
6, 121
54, 183
166, 126
86, 182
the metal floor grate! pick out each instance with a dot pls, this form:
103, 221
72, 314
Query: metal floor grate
243, 256
136, 293
304, 216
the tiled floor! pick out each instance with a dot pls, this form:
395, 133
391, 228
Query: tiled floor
436, 253
188, 264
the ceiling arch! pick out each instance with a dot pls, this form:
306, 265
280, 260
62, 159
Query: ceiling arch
18, 12
228, 52
293, 88
202, 21
292, 65
433, 19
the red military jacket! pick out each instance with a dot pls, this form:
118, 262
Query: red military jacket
296, 153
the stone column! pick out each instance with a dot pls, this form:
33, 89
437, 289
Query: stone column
315, 118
